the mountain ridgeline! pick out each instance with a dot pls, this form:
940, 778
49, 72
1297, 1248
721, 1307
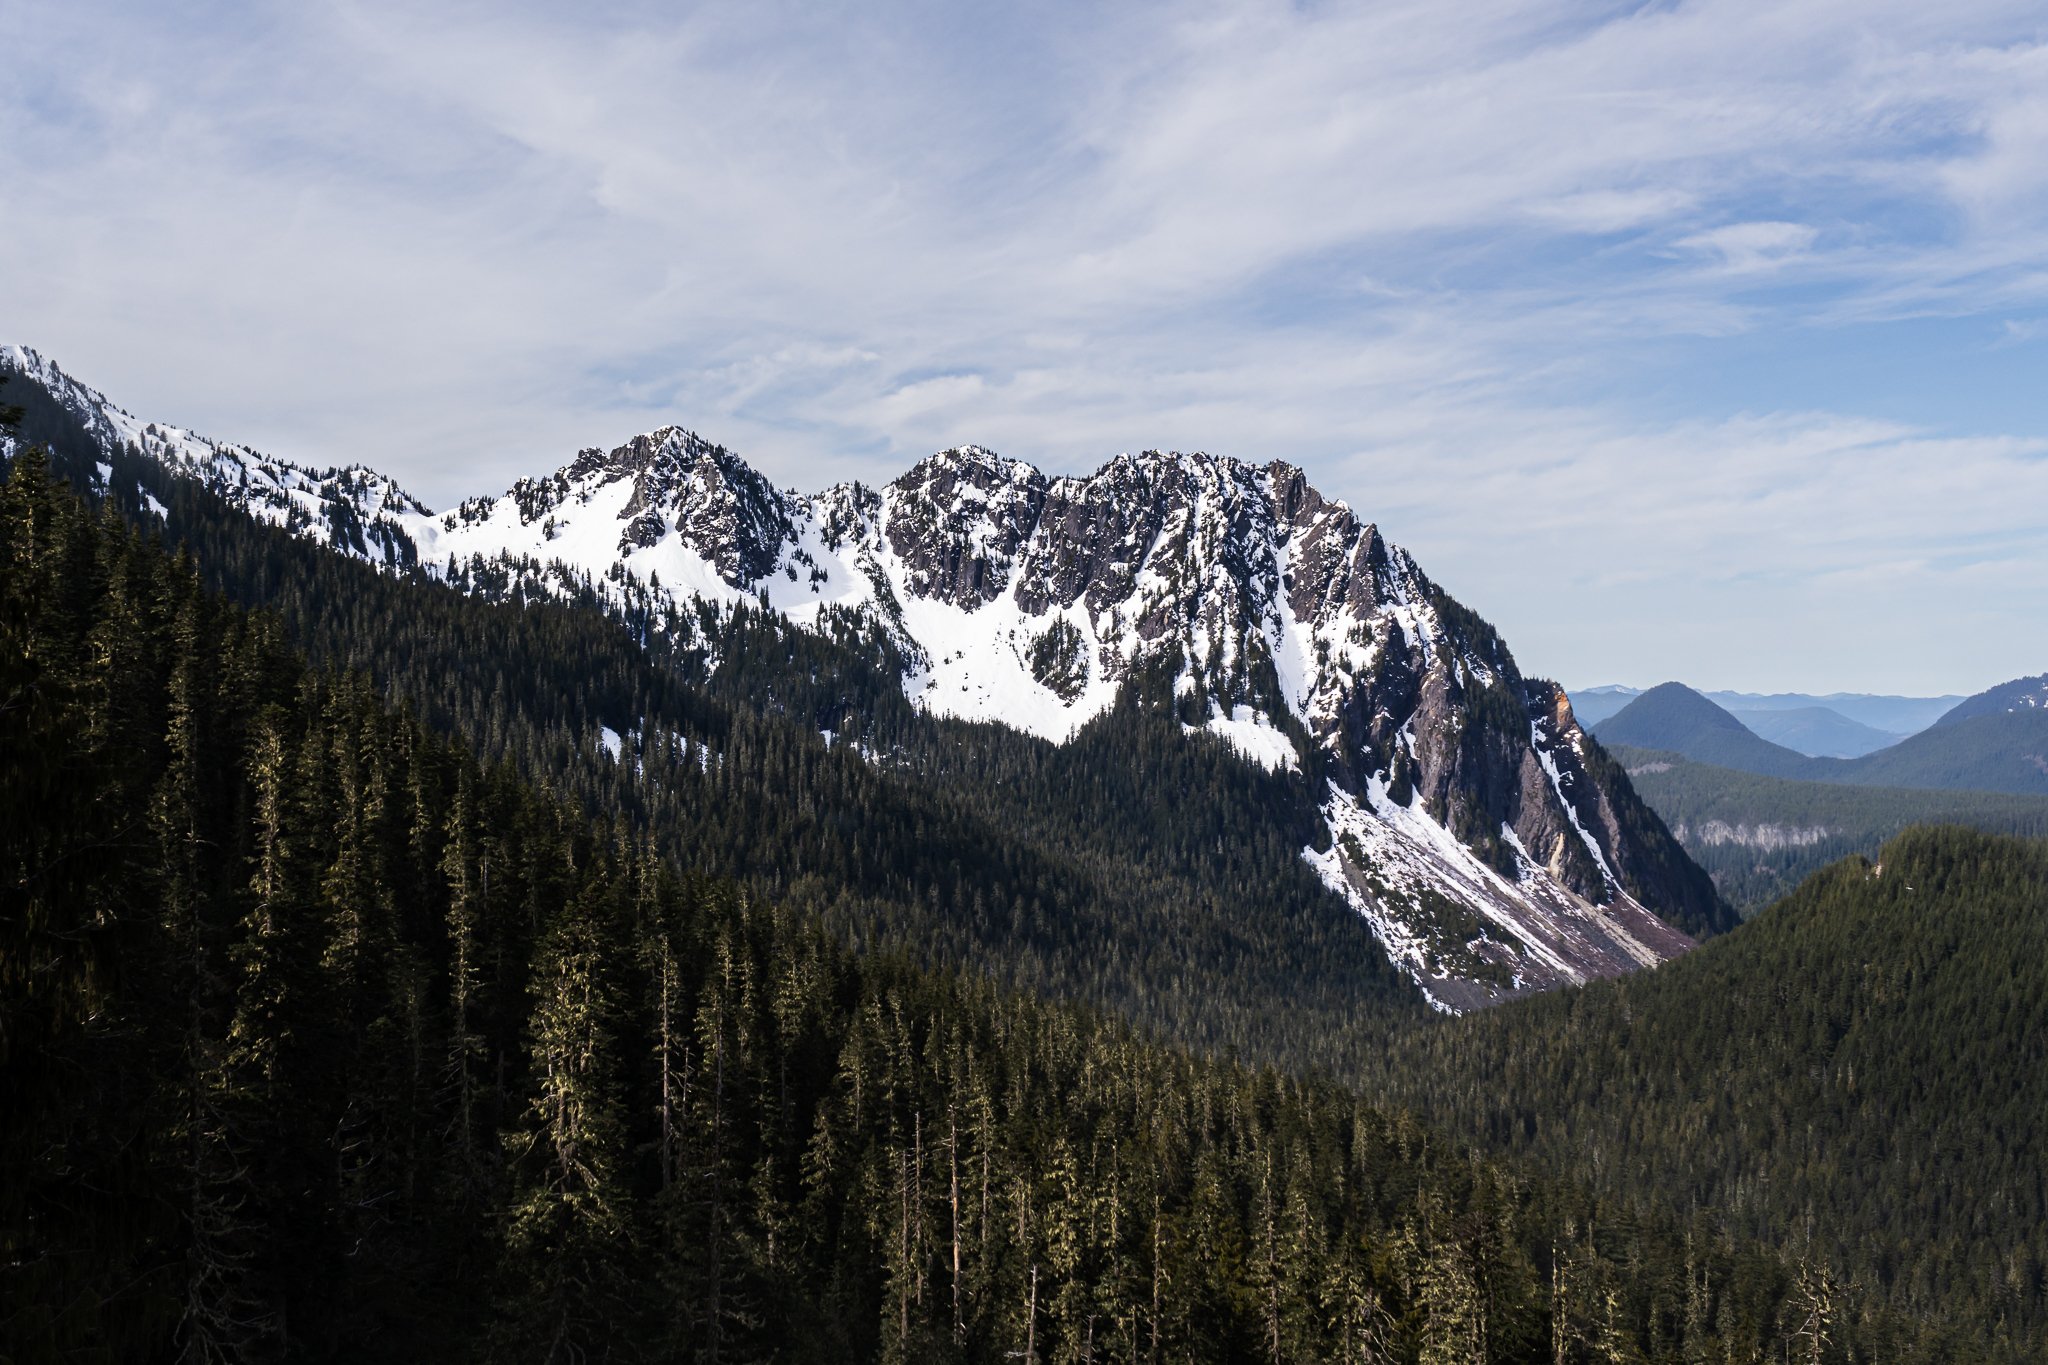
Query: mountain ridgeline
2021, 695
1409, 771
1115, 869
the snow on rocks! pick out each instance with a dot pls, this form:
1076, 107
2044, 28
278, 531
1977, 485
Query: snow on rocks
1469, 935
1031, 600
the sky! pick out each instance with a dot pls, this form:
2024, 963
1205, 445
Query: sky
1702, 340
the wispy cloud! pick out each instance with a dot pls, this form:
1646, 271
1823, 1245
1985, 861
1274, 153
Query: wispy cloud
1750, 247
1435, 253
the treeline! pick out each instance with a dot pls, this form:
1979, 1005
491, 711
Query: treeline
322, 1041
1812, 824
1862, 1069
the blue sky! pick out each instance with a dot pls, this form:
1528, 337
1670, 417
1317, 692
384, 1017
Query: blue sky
1681, 340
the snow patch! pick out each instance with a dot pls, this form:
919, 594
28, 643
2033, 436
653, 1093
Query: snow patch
1539, 740
1253, 735
1552, 936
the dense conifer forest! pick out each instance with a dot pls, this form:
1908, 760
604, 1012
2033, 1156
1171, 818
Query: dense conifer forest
332, 1034
1863, 1068
1759, 837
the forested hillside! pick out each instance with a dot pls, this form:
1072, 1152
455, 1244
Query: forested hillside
2020, 694
2001, 752
1759, 837
1138, 867
323, 1041
1863, 1068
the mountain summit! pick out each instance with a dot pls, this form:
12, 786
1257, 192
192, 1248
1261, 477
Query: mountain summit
1672, 716
1490, 846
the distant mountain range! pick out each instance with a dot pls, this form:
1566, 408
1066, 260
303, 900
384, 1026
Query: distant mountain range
1996, 741
1834, 725
1816, 731
1894, 715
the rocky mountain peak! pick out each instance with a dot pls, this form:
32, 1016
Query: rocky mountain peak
1296, 632
958, 519
1290, 629
663, 482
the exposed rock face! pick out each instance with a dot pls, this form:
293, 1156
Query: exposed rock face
1491, 846
675, 483
1763, 836
957, 520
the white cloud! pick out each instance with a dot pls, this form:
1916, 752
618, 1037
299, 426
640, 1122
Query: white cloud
957, 395
1744, 247
1804, 550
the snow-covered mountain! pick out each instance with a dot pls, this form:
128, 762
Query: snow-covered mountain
355, 509
1488, 849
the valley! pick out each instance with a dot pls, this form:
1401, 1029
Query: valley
1760, 817
1353, 683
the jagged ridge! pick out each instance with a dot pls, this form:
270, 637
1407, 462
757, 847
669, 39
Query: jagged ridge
1491, 847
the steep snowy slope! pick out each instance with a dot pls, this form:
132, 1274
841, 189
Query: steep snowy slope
1490, 851
355, 509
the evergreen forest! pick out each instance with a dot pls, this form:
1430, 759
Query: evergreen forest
1758, 837
1863, 1067
357, 1003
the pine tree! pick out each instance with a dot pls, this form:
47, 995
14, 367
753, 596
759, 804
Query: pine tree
466, 878
568, 1234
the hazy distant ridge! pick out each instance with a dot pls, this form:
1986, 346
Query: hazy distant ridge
2001, 749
